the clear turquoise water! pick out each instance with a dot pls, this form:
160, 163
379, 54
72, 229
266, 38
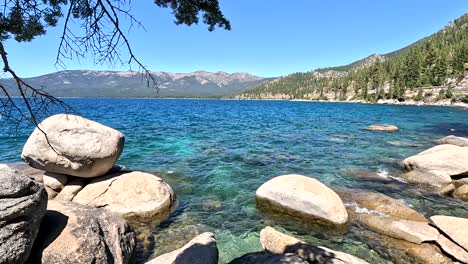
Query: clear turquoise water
216, 153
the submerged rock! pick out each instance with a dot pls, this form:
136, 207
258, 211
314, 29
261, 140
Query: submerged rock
279, 243
22, 205
382, 127
454, 227
73, 233
74, 146
200, 250
423, 176
302, 196
454, 140
133, 194
461, 192
380, 204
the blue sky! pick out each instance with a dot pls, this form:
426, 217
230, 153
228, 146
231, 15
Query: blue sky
268, 38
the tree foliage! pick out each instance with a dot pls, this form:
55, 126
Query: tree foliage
101, 35
432, 61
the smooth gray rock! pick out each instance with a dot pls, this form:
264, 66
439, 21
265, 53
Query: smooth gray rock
22, 205
78, 146
73, 233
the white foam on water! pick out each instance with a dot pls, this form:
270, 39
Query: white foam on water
363, 210
385, 174
170, 171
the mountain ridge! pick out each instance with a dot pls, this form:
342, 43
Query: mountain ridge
121, 84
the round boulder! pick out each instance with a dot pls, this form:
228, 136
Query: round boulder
74, 146
302, 196
73, 233
378, 127
133, 194
22, 205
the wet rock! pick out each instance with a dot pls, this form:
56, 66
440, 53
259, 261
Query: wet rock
380, 203
454, 227
454, 140
441, 159
279, 243
365, 175
73, 233
78, 146
200, 250
423, 176
411, 231
461, 192
133, 194
22, 205
302, 196
382, 127
70, 190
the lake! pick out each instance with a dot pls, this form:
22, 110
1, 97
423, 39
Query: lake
216, 153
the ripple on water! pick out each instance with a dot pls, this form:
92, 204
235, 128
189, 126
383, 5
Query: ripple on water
215, 154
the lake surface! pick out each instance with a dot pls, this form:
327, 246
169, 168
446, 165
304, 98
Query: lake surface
216, 153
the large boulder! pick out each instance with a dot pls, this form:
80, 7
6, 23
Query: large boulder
279, 243
302, 196
382, 127
74, 145
441, 159
454, 140
200, 250
454, 227
73, 233
22, 205
133, 194
379, 204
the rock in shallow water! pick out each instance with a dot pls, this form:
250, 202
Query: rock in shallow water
73, 233
380, 127
200, 250
454, 140
133, 194
80, 147
279, 243
379, 203
22, 205
441, 159
302, 196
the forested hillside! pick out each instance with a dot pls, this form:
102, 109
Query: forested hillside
435, 63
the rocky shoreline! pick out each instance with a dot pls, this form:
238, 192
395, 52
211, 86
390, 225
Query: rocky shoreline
70, 203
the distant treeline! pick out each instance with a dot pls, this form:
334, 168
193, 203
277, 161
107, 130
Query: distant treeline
433, 61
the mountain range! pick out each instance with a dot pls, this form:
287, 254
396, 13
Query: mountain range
119, 84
